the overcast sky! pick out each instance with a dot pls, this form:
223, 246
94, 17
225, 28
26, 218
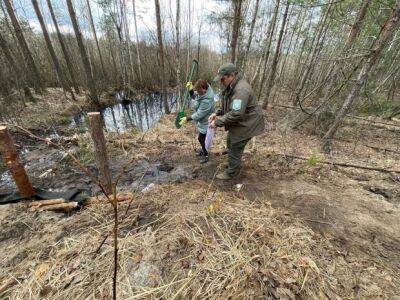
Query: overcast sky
146, 17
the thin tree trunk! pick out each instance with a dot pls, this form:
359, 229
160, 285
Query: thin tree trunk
93, 28
253, 23
384, 37
64, 49
50, 48
178, 48
113, 61
137, 43
268, 40
161, 54
272, 75
84, 57
298, 64
35, 76
14, 67
189, 37
237, 8
335, 68
355, 29
127, 41
283, 65
316, 48
199, 46
121, 54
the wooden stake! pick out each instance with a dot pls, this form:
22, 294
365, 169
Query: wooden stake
11, 160
100, 150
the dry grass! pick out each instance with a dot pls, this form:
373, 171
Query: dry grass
189, 240
217, 245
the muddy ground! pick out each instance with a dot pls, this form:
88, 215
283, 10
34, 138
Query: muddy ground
345, 221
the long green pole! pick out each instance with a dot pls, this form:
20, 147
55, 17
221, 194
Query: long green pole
186, 95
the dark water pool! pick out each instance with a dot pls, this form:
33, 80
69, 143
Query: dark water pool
142, 113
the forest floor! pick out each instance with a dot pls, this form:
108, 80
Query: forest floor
285, 228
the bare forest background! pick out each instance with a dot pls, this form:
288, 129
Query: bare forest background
324, 57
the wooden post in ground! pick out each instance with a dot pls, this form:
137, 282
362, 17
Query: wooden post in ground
11, 161
100, 150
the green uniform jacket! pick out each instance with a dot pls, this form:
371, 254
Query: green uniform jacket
240, 113
203, 107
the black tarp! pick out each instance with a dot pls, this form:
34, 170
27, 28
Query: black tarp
76, 195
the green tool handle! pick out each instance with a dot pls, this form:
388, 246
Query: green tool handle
190, 76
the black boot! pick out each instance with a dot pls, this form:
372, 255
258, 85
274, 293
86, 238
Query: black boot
204, 160
200, 152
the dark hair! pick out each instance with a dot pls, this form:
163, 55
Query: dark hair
201, 83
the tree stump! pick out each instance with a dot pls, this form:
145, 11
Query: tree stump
100, 150
11, 161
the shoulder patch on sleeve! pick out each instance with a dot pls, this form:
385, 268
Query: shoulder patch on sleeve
236, 104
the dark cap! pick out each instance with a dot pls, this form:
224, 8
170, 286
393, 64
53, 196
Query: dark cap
225, 69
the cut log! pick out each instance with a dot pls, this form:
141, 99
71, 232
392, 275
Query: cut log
68, 206
39, 203
11, 161
100, 150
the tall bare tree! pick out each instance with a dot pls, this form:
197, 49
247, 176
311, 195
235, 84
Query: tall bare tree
237, 10
19, 76
355, 29
317, 44
64, 50
272, 73
32, 68
84, 57
161, 56
253, 23
262, 64
380, 42
52, 53
93, 28
178, 48
137, 43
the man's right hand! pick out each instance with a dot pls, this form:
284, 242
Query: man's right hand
212, 117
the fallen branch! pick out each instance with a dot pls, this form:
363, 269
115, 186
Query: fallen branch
369, 146
67, 206
378, 124
374, 121
342, 164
